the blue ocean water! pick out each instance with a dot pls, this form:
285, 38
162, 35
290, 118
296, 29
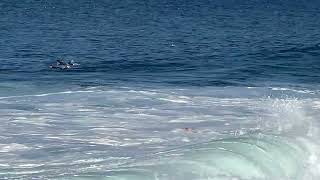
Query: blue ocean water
208, 89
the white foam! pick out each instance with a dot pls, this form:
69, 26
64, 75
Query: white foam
30, 165
4, 165
105, 141
94, 160
305, 91
13, 147
90, 126
174, 100
47, 94
22, 172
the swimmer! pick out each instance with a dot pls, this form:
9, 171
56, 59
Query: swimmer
62, 65
188, 129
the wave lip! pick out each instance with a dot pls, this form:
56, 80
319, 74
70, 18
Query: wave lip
257, 156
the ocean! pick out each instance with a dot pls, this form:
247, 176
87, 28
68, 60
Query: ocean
164, 90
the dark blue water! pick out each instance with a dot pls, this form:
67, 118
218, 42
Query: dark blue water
179, 43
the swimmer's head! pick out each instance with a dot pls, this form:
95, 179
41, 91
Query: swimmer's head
188, 129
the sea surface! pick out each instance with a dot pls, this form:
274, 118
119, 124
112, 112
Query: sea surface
165, 90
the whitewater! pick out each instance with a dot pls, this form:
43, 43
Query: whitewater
164, 133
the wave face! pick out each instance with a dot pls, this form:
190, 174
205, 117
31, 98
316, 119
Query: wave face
254, 157
164, 133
